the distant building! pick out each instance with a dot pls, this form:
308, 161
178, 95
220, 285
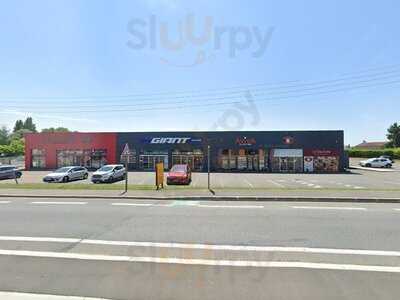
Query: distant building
371, 145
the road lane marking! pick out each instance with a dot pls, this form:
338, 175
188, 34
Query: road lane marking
230, 206
329, 207
131, 204
204, 246
204, 262
5, 202
58, 202
29, 296
397, 209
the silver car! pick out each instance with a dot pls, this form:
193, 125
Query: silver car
376, 163
9, 172
109, 173
66, 174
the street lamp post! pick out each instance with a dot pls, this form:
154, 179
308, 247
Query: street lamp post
208, 168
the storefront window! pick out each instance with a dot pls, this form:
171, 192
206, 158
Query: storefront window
287, 160
149, 159
192, 158
87, 158
38, 158
243, 159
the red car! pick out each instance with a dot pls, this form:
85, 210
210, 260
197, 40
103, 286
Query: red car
179, 174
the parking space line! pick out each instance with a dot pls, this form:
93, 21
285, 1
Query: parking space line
276, 183
58, 202
5, 202
249, 183
329, 207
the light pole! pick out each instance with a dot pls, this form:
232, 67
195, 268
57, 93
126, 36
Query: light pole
208, 168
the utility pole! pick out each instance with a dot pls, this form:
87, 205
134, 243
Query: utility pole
208, 167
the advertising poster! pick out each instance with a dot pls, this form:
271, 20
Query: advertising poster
308, 164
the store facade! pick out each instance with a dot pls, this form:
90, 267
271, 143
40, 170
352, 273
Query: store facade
230, 151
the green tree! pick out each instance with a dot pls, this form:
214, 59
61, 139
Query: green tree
19, 124
58, 129
4, 135
19, 134
16, 147
29, 125
394, 136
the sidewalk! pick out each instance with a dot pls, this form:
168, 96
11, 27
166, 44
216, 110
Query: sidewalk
219, 195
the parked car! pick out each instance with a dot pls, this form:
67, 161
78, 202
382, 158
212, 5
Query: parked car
9, 172
387, 157
109, 173
66, 174
179, 174
376, 163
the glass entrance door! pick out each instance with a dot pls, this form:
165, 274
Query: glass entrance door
148, 162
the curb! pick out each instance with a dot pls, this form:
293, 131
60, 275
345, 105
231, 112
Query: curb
219, 198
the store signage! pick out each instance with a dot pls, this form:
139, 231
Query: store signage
321, 153
171, 140
288, 140
244, 141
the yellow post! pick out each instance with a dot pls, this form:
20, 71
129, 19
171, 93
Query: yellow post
160, 175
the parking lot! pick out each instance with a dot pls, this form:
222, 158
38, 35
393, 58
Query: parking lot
356, 179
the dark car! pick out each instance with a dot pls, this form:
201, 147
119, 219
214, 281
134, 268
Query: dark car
179, 174
9, 172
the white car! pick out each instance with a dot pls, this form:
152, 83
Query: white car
376, 163
109, 173
66, 174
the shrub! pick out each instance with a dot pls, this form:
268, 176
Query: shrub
393, 152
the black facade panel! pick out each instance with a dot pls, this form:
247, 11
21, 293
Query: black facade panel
141, 142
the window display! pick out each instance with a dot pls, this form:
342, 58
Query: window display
243, 159
193, 158
287, 160
38, 158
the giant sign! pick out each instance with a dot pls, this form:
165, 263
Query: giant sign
171, 140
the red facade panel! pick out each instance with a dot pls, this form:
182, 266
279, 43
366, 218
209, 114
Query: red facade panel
50, 143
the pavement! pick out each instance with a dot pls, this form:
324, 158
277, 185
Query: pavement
143, 249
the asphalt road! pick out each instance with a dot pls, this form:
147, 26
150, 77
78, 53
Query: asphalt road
199, 250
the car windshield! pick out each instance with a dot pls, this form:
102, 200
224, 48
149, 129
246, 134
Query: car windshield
62, 170
178, 169
106, 169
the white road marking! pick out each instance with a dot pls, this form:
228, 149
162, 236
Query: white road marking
58, 202
230, 206
329, 207
131, 204
204, 246
205, 262
276, 183
397, 209
249, 183
28, 296
5, 202
317, 187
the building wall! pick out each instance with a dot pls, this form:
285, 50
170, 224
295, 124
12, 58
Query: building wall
51, 142
314, 143
306, 140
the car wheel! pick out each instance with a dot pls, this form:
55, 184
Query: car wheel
65, 179
111, 179
85, 176
389, 166
368, 165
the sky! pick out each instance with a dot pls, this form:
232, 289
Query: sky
157, 65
